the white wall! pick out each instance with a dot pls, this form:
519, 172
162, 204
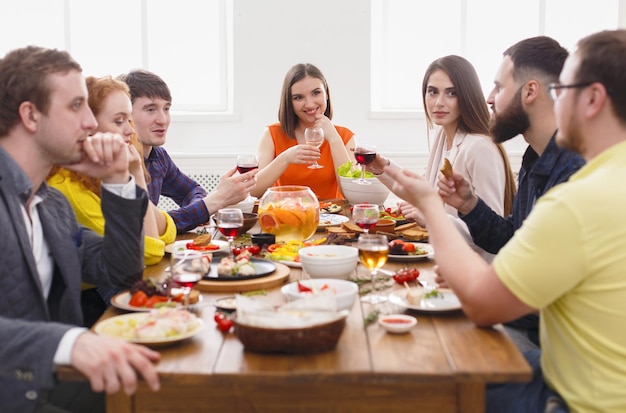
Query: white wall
270, 37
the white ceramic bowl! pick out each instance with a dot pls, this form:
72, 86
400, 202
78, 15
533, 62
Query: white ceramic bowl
397, 323
376, 193
345, 291
329, 261
247, 205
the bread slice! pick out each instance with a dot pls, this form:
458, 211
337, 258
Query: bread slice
446, 169
340, 232
415, 234
406, 226
202, 240
352, 227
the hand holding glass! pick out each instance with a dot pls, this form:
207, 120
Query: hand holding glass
314, 137
229, 222
187, 267
365, 216
373, 252
246, 163
364, 154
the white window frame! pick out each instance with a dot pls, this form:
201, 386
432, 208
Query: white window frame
450, 21
50, 23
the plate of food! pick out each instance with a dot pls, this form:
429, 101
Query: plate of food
331, 220
213, 246
230, 269
438, 300
125, 300
158, 327
400, 250
330, 208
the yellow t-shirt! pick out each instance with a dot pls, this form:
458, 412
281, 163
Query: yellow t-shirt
569, 260
88, 210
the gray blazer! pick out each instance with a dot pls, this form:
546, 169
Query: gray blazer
30, 326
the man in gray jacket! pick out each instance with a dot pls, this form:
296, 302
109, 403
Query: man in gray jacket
46, 254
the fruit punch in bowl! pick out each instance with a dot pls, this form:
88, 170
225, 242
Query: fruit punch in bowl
289, 212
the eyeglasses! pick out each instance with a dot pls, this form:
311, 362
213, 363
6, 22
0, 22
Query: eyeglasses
555, 88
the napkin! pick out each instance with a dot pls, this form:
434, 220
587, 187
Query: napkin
302, 313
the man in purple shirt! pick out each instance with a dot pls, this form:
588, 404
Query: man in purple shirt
152, 100
521, 104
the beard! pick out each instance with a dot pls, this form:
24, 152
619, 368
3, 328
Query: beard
569, 136
511, 122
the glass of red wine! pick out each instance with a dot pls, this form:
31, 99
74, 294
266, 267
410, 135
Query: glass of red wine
365, 216
246, 163
314, 137
364, 154
187, 267
229, 222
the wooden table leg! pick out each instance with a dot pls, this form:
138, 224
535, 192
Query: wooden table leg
471, 397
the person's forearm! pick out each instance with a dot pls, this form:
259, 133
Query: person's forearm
268, 175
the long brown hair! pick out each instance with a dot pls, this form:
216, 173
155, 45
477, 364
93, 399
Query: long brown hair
286, 115
474, 117
99, 89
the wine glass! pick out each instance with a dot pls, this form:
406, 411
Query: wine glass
365, 216
373, 252
314, 137
246, 163
364, 154
229, 222
187, 267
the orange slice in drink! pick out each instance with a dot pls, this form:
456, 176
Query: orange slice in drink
268, 221
287, 217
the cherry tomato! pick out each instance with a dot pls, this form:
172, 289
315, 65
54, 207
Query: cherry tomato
254, 249
138, 299
236, 251
219, 316
225, 325
406, 275
409, 247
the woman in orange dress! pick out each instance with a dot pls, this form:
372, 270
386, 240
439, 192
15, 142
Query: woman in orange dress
284, 156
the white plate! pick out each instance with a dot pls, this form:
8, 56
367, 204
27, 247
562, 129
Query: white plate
428, 247
292, 264
182, 245
332, 220
122, 300
449, 302
110, 326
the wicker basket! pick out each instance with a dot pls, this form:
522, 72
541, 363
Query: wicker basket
323, 337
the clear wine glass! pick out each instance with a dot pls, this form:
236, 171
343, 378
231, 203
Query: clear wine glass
373, 252
247, 162
365, 216
229, 221
364, 154
314, 137
187, 267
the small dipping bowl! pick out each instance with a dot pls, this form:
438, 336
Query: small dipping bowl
263, 240
226, 304
397, 323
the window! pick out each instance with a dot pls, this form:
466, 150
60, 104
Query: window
407, 35
189, 45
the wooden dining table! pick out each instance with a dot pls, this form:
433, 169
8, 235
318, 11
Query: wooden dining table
442, 365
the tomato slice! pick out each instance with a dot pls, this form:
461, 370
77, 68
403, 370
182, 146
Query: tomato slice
138, 299
210, 247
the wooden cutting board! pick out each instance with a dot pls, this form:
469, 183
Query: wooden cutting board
278, 277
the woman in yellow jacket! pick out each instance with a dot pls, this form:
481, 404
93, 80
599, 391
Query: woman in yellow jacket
109, 99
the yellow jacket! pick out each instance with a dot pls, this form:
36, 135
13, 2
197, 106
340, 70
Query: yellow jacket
88, 211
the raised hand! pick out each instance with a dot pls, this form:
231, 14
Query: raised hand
457, 192
106, 158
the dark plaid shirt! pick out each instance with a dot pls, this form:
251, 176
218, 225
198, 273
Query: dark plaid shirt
537, 175
167, 180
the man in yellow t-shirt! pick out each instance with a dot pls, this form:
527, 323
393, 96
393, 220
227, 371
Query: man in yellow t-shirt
568, 259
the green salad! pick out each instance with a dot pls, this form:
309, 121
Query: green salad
350, 170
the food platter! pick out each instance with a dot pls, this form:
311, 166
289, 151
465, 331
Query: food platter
112, 327
121, 301
447, 302
182, 246
420, 257
263, 268
331, 220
